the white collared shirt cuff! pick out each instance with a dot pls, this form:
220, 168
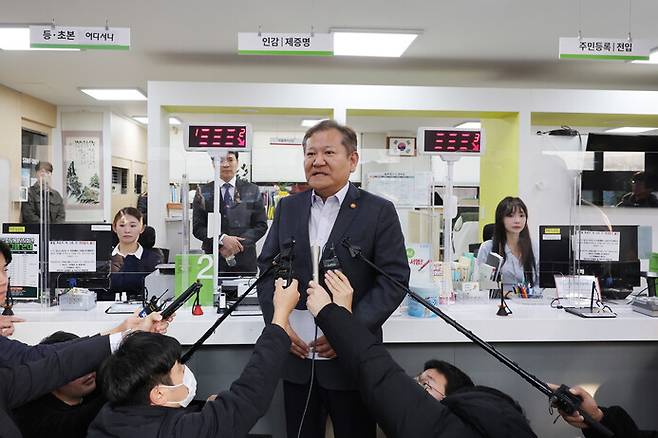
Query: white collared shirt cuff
115, 341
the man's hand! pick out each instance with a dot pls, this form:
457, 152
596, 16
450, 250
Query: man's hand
323, 348
152, 323
588, 405
285, 300
232, 244
340, 288
7, 324
225, 252
317, 298
298, 347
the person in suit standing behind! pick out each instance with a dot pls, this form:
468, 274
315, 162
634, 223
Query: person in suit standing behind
326, 215
244, 220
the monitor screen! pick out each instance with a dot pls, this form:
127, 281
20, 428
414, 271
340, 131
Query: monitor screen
556, 246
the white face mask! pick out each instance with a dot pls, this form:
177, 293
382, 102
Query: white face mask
189, 381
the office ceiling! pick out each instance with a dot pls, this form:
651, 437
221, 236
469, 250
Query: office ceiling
501, 43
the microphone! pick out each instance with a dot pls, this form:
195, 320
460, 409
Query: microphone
315, 262
181, 299
284, 261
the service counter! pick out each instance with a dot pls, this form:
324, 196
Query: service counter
618, 357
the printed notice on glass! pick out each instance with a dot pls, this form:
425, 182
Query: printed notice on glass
72, 256
597, 246
24, 266
402, 188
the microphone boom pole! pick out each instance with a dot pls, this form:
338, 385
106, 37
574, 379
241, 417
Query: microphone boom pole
562, 398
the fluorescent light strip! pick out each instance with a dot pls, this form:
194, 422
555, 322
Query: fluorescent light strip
18, 38
470, 125
379, 44
630, 130
308, 123
114, 93
145, 120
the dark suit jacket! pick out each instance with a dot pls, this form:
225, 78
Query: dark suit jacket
231, 415
247, 218
14, 353
20, 384
369, 222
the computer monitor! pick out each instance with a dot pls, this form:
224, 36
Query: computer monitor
68, 243
555, 257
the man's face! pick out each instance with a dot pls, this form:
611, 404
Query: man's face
4, 279
640, 189
228, 165
327, 163
80, 387
43, 175
434, 382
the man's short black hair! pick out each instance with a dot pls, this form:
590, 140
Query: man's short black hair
455, 377
58, 337
5, 250
142, 361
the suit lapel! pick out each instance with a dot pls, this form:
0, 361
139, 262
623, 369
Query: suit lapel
301, 236
348, 211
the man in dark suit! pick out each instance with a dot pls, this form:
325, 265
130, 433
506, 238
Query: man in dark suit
334, 210
244, 220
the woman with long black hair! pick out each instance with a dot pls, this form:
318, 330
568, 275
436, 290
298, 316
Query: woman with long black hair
511, 240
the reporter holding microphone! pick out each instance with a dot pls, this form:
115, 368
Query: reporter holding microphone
400, 406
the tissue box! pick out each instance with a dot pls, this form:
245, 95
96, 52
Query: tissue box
77, 299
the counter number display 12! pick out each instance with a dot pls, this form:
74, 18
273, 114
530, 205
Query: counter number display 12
450, 141
217, 137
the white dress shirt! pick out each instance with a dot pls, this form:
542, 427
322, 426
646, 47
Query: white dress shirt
323, 216
138, 253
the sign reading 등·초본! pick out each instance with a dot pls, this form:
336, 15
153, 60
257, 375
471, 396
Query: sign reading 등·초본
293, 44
71, 37
605, 48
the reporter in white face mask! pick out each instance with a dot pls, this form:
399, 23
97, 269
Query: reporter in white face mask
147, 386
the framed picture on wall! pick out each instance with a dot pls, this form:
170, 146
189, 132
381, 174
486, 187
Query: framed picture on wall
83, 169
401, 146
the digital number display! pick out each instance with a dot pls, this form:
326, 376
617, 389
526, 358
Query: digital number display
452, 141
218, 137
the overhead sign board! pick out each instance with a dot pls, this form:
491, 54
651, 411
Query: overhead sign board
605, 48
287, 44
71, 37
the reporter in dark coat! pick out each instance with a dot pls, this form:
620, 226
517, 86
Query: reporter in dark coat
20, 384
334, 210
244, 220
148, 388
400, 405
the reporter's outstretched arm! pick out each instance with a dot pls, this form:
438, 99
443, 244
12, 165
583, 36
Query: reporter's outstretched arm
234, 412
614, 418
400, 406
34, 379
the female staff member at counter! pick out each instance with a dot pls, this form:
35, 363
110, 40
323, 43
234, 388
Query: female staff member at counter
511, 240
129, 258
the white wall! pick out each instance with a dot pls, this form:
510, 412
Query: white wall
129, 152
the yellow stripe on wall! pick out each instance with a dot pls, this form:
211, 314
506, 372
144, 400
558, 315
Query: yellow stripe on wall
499, 165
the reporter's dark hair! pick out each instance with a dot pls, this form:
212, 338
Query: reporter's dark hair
5, 250
142, 361
495, 392
455, 377
58, 337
